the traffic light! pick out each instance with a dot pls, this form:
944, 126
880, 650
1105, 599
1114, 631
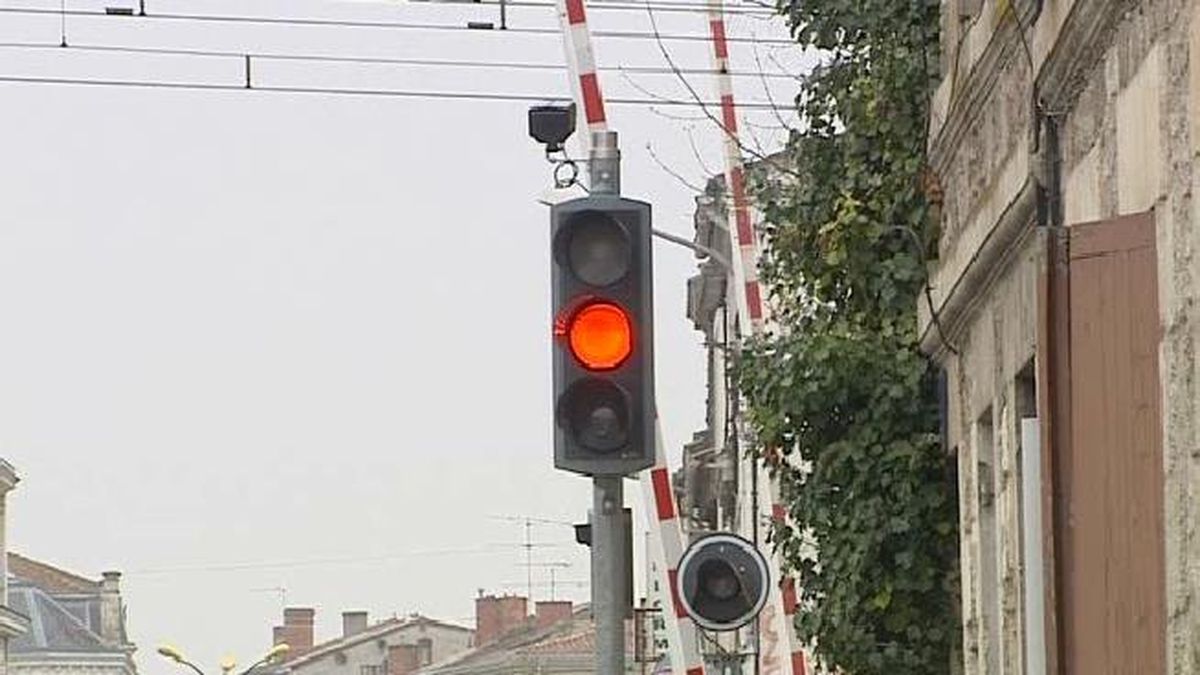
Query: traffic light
723, 582
603, 333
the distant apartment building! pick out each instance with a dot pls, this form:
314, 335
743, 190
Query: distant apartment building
76, 624
12, 624
394, 646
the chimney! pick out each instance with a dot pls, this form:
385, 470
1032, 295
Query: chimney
402, 660
496, 617
112, 622
353, 623
550, 613
297, 629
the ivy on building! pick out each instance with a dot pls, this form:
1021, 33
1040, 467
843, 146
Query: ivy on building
840, 384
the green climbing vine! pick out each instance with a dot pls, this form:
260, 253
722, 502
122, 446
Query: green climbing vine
841, 385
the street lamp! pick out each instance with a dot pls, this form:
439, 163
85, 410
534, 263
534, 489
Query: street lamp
276, 652
173, 653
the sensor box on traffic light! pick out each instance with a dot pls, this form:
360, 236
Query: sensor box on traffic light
601, 280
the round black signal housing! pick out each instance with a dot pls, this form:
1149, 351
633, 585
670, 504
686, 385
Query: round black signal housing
595, 247
723, 582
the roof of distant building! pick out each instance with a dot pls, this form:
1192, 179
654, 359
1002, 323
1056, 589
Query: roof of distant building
575, 643
48, 577
65, 614
371, 633
572, 639
56, 626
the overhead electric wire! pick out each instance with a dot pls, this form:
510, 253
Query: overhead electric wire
348, 23
364, 60
332, 91
663, 6
483, 549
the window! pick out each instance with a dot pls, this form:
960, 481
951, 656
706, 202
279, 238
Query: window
370, 670
425, 651
1029, 488
953, 477
989, 580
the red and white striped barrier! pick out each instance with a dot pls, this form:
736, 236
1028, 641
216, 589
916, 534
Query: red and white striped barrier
581, 66
667, 547
779, 649
590, 97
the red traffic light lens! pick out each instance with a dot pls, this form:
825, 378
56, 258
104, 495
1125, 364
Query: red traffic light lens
601, 336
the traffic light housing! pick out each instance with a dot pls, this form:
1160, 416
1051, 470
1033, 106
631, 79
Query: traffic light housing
601, 276
723, 582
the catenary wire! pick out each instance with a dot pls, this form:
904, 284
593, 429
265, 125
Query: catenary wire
686, 7
364, 60
396, 25
333, 91
485, 549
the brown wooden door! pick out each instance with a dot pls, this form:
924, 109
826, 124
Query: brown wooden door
1111, 510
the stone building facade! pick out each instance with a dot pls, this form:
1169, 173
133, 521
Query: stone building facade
1063, 138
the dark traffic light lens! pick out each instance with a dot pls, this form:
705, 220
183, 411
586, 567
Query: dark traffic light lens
718, 580
596, 414
597, 249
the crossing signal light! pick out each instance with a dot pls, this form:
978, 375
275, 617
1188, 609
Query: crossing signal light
603, 354
723, 582
600, 336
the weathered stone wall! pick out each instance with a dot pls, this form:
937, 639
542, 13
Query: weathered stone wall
984, 160
1122, 82
996, 345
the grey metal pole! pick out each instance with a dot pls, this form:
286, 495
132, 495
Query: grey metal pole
608, 611
605, 164
608, 522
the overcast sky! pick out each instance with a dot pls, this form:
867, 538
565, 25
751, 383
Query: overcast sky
255, 341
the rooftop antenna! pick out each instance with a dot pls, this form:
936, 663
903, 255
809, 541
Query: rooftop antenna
529, 521
552, 566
